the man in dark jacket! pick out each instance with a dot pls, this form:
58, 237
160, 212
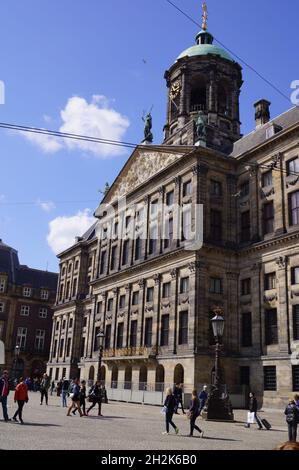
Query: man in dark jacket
292, 419
4, 391
253, 409
178, 395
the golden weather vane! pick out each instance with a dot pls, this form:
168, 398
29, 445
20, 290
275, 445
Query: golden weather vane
204, 16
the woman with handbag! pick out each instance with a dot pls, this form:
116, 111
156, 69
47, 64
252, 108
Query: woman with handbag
169, 408
75, 397
194, 413
82, 398
252, 413
21, 396
95, 397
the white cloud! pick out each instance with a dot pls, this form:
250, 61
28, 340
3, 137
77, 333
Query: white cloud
63, 230
46, 206
95, 119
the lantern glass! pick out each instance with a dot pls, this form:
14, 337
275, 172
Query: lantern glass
218, 326
101, 337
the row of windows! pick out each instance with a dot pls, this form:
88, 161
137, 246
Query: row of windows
270, 377
60, 350
269, 281
27, 291
25, 311
69, 268
68, 291
39, 340
63, 326
271, 327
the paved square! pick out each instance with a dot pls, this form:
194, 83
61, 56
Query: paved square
129, 426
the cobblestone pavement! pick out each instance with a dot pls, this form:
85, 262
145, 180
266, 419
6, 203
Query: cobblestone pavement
129, 426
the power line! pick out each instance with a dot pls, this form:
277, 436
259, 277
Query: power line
236, 55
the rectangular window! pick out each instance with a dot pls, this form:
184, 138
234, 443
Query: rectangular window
295, 275
27, 291
170, 198
187, 188
61, 347
294, 208
150, 294
120, 336
74, 288
61, 292
148, 332
77, 265
183, 328
127, 221
1, 307
296, 322
245, 375
246, 339
153, 239
113, 258
293, 166
140, 215
135, 298
215, 285
268, 218
110, 305
39, 342
115, 229
216, 188
67, 293
125, 257
154, 208
244, 189
43, 312
295, 374
122, 301
216, 225
25, 310
83, 347
270, 378
168, 232
270, 281
99, 307
44, 294
71, 323
267, 179
184, 285
64, 323
108, 337
57, 374
133, 334
68, 347
21, 338
164, 330
246, 286
271, 331
186, 224
166, 290
103, 262
2, 285
245, 227
138, 245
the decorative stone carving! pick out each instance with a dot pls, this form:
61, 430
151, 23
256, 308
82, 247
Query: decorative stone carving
141, 283
294, 293
270, 297
177, 180
165, 305
120, 314
292, 180
109, 316
268, 193
128, 287
281, 262
173, 273
256, 267
115, 290
148, 308
134, 313
157, 278
184, 299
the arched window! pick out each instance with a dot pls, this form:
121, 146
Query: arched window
128, 378
114, 377
178, 377
198, 95
143, 378
160, 377
223, 105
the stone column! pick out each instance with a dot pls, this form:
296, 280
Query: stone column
114, 317
142, 292
283, 320
156, 312
91, 327
192, 324
173, 312
128, 288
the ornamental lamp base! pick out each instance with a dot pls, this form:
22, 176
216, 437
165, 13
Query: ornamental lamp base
218, 409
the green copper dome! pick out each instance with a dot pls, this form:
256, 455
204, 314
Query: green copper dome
205, 46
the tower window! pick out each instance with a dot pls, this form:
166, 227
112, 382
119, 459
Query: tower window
199, 97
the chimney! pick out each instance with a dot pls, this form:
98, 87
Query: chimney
262, 113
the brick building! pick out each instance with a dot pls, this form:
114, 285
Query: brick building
26, 299
154, 298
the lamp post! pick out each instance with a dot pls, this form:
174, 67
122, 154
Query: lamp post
17, 353
100, 340
218, 407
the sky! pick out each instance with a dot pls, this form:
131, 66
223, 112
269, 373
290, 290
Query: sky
93, 67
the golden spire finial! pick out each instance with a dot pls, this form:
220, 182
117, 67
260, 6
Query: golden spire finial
204, 16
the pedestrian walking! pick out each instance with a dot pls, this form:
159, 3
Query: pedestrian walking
75, 397
252, 413
4, 391
95, 397
52, 387
21, 397
44, 387
82, 398
59, 387
292, 419
169, 407
194, 413
203, 396
65, 388
178, 395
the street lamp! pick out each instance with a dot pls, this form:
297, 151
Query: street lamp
17, 353
100, 342
218, 407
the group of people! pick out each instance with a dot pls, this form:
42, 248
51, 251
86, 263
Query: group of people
20, 397
77, 392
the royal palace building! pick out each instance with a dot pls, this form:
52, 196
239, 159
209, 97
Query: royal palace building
135, 275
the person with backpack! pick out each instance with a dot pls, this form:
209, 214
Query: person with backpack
170, 407
75, 397
193, 414
292, 419
95, 397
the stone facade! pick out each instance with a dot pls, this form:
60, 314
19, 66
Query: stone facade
26, 299
154, 299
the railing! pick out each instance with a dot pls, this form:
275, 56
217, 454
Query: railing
130, 351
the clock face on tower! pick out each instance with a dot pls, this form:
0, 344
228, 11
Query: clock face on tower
175, 90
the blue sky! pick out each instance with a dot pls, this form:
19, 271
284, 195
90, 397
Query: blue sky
68, 55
